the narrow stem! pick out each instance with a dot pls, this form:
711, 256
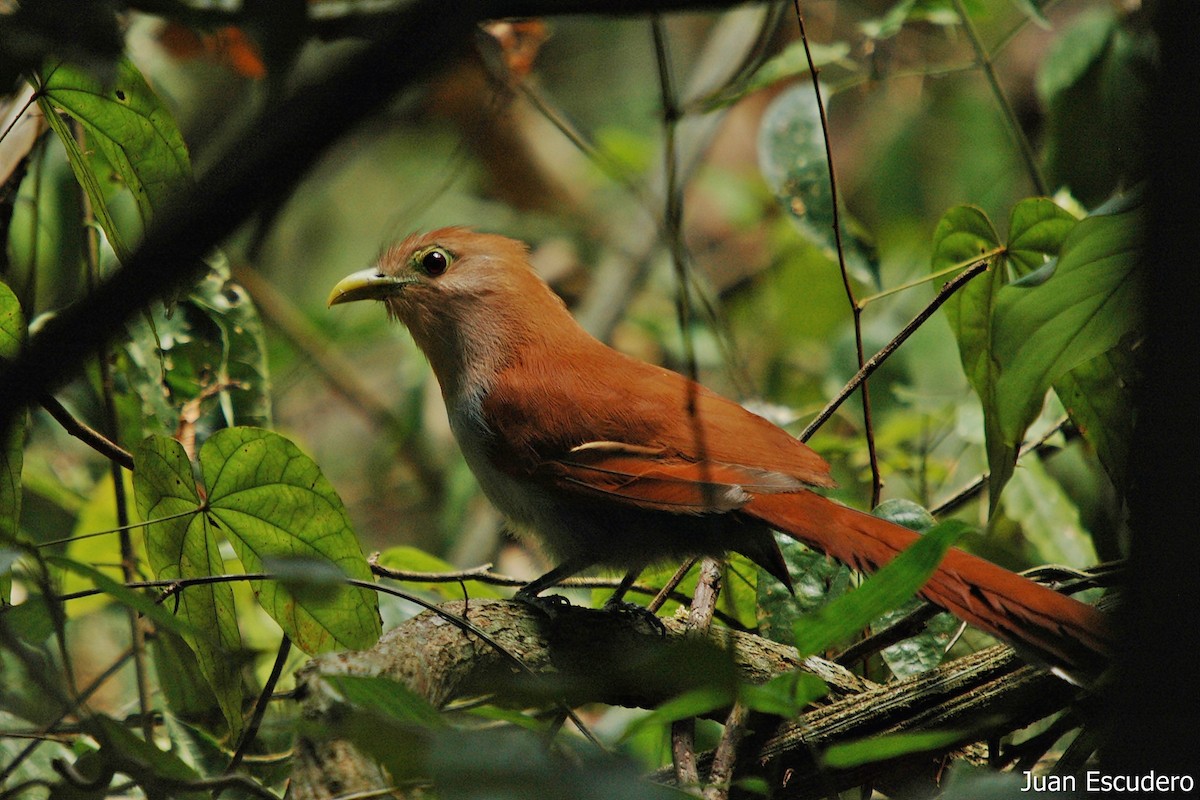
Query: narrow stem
873, 363
260, 707
855, 309
85, 433
112, 434
1006, 108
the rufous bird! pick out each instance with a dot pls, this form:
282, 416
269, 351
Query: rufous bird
614, 462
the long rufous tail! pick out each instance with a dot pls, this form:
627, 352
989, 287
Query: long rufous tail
1059, 629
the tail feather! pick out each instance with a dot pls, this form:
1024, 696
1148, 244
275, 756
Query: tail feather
1058, 629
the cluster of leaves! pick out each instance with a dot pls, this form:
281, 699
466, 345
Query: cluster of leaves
236, 545
191, 370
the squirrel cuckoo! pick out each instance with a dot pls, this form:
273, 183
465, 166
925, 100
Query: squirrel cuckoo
614, 462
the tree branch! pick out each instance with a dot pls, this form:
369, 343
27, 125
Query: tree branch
584, 655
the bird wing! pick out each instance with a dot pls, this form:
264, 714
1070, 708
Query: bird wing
641, 435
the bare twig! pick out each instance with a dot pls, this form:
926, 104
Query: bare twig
949, 288
855, 308
720, 774
976, 486
1010, 115
86, 434
260, 707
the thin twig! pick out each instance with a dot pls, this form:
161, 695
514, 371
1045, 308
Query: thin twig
949, 288
683, 732
683, 753
855, 309
956, 500
668, 589
85, 433
720, 774
260, 707
1010, 115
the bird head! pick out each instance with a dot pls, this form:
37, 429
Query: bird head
470, 300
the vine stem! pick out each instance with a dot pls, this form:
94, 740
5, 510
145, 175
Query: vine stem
984, 59
950, 287
91, 251
855, 307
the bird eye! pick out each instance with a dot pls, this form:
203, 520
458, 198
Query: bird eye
435, 262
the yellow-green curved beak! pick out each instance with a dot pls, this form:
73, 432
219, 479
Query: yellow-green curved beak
367, 284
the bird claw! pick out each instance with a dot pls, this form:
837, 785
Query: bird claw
549, 605
639, 616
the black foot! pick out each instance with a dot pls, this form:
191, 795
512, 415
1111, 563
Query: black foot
549, 605
639, 616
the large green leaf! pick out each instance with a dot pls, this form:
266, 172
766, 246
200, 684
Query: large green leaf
1083, 310
183, 544
1098, 395
1076, 297
963, 235
130, 129
273, 504
1037, 229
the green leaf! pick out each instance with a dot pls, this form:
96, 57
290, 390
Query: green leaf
183, 545
272, 502
1086, 308
130, 128
816, 580
963, 236
793, 162
1095, 84
97, 514
12, 333
896, 582
884, 748
158, 772
923, 651
911, 515
692, 703
1037, 229
1033, 10
241, 369
1099, 398
1048, 518
934, 12
185, 687
205, 360
387, 698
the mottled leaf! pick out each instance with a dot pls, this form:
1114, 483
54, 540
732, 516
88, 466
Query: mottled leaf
131, 130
